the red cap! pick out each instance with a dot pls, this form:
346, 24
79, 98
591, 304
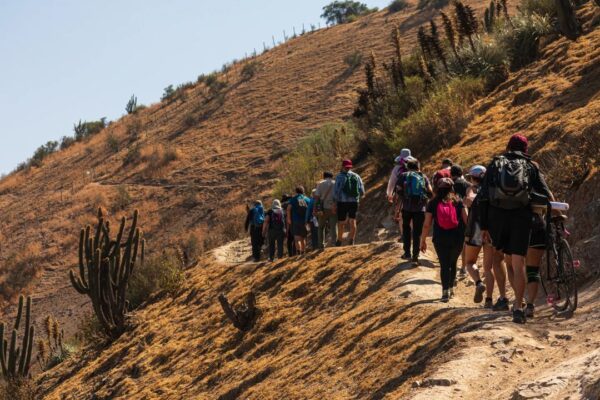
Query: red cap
518, 142
347, 164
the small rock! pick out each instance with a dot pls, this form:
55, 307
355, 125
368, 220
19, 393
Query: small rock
564, 337
429, 382
416, 384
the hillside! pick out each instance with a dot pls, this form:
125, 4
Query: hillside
226, 148
343, 323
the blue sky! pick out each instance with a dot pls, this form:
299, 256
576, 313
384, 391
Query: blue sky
65, 60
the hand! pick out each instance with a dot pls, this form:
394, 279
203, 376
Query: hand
423, 246
485, 236
390, 199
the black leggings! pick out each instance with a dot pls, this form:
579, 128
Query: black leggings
417, 218
448, 252
276, 238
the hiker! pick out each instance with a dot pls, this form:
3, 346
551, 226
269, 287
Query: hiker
274, 229
348, 190
392, 187
296, 218
291, 246
449, 218
324, 206
506, 215
311, 220
414, 189
254, 223
474, 242
443, 172
460, 188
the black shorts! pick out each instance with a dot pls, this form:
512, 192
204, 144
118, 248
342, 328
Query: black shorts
346, 210
537, 240
510, 229
299, 229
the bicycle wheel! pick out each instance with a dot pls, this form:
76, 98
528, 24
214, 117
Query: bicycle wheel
569, 275
553, 283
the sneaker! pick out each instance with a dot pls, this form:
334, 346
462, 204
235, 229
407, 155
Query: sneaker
445, 297
451, 293
415, 259
529, 310
352, 242
338, 243
479, 290
501, 304
489, 303
406, 256
519, 317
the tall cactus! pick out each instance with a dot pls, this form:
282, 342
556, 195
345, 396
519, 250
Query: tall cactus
15, 361
105, 267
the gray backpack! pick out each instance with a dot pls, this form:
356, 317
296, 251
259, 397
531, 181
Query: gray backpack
510, 185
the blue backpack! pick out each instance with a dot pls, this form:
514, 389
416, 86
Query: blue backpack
414, 185
258, 216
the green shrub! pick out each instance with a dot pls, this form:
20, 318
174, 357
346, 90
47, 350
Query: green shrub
521, 38
131, 105
112, 143
162, 273
66, 142
133, 155
397, 5
250, 69
353, 60
489, 61
90, 331
439, 121
432, 4
340, 12
85, 129
543, 8
168, 93
322, 150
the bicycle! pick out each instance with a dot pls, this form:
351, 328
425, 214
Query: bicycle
560, 280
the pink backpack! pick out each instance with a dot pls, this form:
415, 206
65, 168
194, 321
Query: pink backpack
446, 215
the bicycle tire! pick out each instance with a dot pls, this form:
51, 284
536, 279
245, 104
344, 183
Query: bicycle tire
569, 277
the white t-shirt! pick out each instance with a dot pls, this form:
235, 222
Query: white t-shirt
325, 190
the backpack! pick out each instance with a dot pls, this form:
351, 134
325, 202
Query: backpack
350, 187
446, 215
414, 185
401, 170
258, 216
277, 219
300, 207
510, 183
442, 173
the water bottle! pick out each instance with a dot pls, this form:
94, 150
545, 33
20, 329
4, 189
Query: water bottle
558, 206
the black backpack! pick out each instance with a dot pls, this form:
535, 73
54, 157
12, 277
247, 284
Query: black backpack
510, 186
277, 221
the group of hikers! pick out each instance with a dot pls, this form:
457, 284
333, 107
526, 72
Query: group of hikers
488, 209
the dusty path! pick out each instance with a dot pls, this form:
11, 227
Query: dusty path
493, 358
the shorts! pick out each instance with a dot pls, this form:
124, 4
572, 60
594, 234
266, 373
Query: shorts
299, 229
346, 210
510, 229
537, 239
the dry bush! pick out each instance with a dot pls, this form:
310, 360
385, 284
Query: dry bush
22, 389
20, 268
158, 158
122, 198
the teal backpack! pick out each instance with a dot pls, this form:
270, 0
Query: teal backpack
414, 185
351, 186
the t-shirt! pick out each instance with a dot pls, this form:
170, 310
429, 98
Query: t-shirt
460, 187
298, 202
325, 190
413, 203
457, 234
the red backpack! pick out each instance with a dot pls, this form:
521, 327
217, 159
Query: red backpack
446, 215
442, 173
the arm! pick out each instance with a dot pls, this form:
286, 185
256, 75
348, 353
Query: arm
266, 225
428, 187
464, 215
468, 200
248, 217
336, 190
426, 228
392, 183
484, 200
361, 187
289, 214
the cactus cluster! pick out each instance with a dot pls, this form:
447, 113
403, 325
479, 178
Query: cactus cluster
15, 361
105, 267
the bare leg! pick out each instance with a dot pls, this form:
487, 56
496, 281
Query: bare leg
352, 223
500, 273
520, 280
509, 270
341, 227
488, 261
534, 259
470, 254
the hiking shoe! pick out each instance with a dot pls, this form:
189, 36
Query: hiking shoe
529, 310
445, 297
352, 242
338, 243
501, 304
415, 259
451, 293
462, 272
479, 290
489, 303
406, 256
519, 317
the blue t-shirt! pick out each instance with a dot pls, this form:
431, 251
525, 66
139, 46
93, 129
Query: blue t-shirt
299, 203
